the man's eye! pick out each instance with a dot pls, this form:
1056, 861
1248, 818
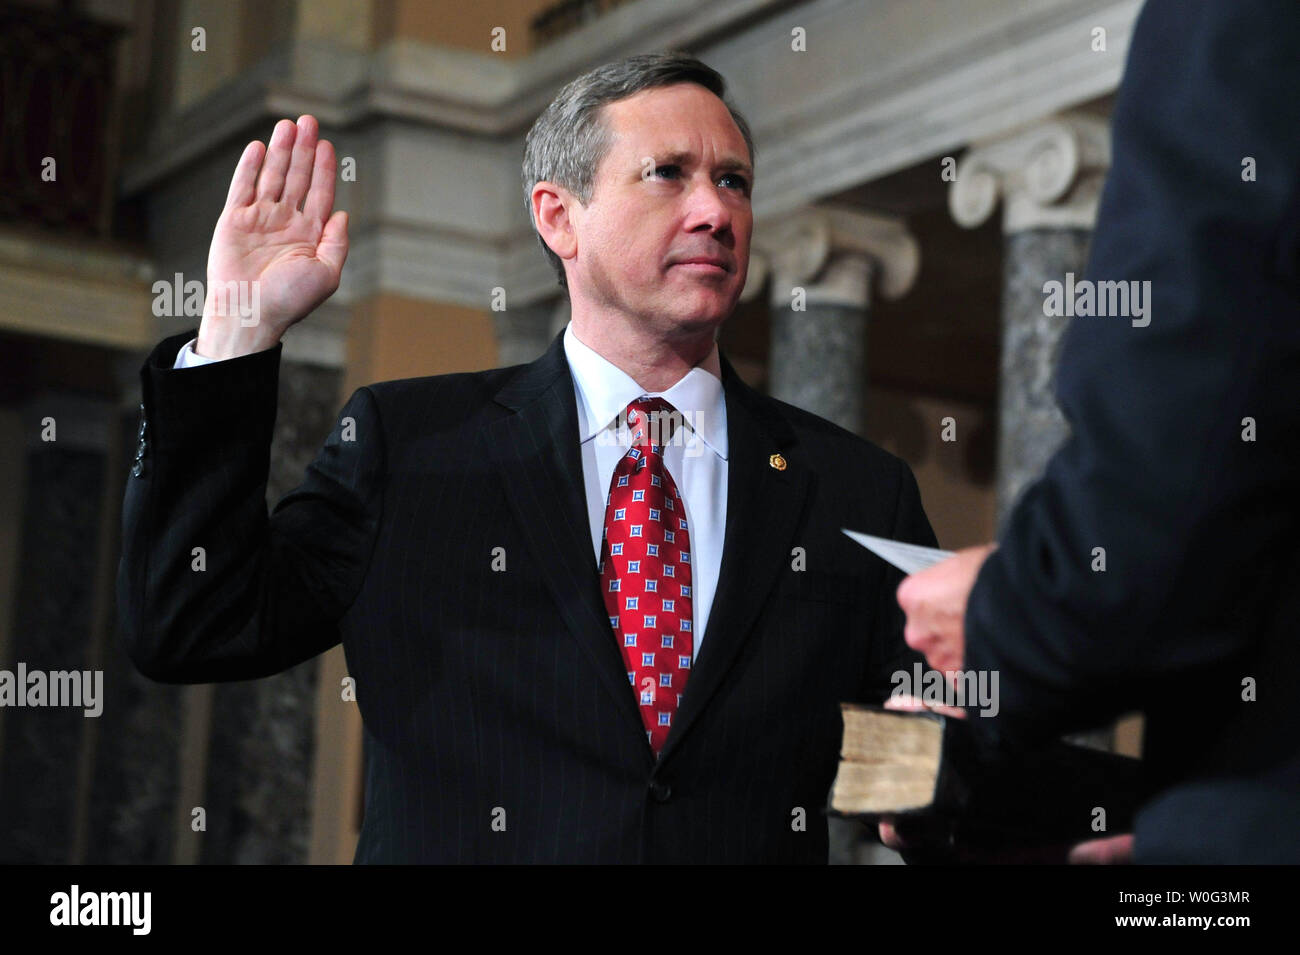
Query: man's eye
673, 172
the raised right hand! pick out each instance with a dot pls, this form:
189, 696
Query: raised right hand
291, 258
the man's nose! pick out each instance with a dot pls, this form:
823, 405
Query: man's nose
708, 207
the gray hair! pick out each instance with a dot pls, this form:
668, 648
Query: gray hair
570, 138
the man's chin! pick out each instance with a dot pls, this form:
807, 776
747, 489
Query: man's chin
705, 307
704, 319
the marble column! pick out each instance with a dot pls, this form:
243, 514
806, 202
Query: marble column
53, 623
262, 742
822, 265
1049, 178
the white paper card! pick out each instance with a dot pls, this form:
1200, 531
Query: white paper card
909, 558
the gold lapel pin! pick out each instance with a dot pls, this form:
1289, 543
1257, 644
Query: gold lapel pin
777, 462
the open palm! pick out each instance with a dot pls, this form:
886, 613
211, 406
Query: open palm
295, 256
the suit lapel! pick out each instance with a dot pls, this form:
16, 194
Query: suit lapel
537, 449
764, 504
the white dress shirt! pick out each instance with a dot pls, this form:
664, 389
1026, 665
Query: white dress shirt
696, 458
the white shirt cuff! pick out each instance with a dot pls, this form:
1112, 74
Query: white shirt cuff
187, 357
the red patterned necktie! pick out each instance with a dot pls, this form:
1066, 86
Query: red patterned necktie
645, 569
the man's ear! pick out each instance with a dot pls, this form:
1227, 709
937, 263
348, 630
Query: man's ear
551, 204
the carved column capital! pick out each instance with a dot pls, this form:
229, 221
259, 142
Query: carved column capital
1049, 175
832, 251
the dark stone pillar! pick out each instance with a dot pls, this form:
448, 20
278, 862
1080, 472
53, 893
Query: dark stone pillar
259, 772
53, 621
817, 360
1030, 425
1049, 177
825, 263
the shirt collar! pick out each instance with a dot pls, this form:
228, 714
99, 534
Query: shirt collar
605, 390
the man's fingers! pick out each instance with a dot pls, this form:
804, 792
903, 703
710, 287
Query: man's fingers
936, 647
1114, 850
912, 704
301, 160
333, 246
270, 184
904, 702
889, 836
918, 638
320, 198
243, 184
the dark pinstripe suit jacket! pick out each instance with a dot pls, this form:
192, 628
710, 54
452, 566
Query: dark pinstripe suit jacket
499, 723
1200, 527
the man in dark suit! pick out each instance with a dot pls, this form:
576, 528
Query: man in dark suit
1181, 465
598, 607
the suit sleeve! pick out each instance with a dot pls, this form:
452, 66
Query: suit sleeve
889, 652
1179, 472
265, 592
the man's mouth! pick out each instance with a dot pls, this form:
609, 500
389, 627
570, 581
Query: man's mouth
702, 266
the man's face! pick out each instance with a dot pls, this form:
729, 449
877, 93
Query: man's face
674, 185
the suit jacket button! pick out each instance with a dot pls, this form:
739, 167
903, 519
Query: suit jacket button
137, 469
661, 790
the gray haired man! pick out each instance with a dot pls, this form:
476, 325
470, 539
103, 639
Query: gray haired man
574, 638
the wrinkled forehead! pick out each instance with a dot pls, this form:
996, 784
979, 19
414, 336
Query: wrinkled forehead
675, 120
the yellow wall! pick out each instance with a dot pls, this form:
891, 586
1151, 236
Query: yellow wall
455, 23
392, 336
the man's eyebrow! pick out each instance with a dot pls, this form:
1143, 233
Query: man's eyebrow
679, 158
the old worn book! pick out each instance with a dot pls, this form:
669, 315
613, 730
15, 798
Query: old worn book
926, 771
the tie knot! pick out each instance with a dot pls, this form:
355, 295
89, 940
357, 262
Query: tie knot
651, 422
